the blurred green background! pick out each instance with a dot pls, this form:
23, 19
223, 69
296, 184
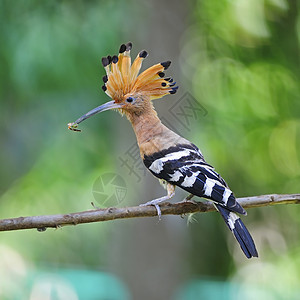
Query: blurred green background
239, 60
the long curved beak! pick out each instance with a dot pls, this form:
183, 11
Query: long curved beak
106, 106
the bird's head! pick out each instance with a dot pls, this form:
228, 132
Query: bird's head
131, 92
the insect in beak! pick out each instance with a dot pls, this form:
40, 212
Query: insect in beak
106, 106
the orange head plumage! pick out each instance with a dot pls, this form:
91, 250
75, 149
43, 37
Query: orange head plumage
131, 92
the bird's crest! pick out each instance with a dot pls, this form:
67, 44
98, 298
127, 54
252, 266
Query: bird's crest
127, 88
123, 78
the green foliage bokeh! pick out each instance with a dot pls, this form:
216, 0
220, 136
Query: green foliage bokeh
239, 59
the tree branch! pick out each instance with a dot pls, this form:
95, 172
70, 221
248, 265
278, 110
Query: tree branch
100, 215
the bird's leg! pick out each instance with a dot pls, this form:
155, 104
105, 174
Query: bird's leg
155, 202
187, 199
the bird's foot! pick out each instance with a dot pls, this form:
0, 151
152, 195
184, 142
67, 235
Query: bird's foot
155, 204
187, 199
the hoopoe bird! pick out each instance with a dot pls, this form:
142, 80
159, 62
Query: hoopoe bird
168, 156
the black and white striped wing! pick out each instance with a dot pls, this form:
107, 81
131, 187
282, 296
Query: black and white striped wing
184, 166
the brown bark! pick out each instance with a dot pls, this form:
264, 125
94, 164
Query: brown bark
113, 213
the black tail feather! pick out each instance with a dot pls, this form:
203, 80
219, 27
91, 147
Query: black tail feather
239, 230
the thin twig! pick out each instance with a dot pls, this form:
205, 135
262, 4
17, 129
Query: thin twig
100, 215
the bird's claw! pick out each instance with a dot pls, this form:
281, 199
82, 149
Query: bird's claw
155, 205
158, 211
187, 199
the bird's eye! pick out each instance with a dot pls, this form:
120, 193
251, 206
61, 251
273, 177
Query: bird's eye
129, 100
